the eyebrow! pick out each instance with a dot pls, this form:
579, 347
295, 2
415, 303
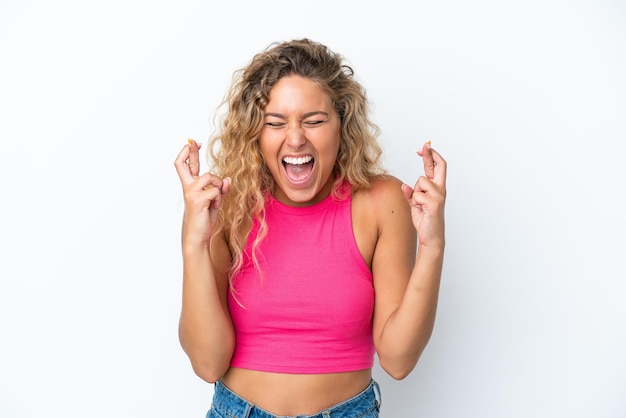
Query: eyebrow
306, 115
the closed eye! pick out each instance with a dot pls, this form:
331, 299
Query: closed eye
275, 124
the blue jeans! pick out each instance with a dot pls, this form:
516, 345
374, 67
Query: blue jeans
227, 404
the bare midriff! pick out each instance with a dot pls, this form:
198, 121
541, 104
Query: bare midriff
295, 394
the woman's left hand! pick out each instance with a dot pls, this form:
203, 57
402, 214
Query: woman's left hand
427, 198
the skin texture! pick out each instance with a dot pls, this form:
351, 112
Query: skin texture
399, 230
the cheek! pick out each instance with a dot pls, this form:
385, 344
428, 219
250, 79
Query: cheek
268, 151
271, 162
333, 148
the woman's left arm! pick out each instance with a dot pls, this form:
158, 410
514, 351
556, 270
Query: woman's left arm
407, 281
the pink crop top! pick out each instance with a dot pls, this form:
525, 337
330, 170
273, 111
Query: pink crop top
311, 311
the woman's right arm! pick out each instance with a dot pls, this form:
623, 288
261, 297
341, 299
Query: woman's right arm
205, 330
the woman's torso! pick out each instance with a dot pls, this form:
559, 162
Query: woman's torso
296, 394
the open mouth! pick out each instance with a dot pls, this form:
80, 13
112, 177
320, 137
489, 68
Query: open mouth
298, 169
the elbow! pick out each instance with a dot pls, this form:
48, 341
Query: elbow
397, 365
208, 362
398, 372
208, 366
207, 372
399, 362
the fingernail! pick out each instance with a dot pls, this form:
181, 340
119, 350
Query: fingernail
428, 144
190, 141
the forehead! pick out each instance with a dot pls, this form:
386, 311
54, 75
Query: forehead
295, 92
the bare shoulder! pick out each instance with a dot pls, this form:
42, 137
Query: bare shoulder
376, 212
383, 198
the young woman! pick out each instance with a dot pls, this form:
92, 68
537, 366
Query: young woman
302, 258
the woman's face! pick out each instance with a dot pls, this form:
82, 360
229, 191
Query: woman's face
300, 140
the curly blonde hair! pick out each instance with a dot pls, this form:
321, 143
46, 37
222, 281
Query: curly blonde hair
234, 149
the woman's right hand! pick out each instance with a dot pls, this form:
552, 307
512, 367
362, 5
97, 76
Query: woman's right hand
202, 194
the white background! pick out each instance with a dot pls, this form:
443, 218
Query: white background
526, 101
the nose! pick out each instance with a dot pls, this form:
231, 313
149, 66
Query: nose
295, 135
